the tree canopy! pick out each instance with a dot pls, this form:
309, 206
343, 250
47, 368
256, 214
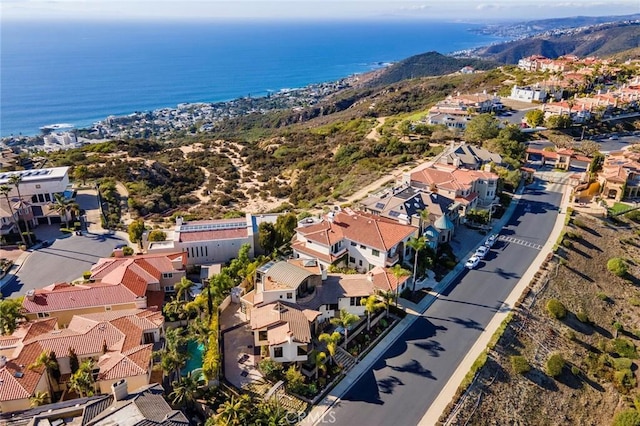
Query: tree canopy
481, 127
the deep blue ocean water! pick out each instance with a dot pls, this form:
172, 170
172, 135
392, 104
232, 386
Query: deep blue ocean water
79, 73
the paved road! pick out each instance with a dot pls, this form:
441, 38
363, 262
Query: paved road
64, 260
408, 377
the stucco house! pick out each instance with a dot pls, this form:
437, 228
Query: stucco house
470, 157
127, 335
470, 188
353, 239
620, 175
38, 189
405, 204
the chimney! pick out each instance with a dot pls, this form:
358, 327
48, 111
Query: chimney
118, 253
31, 294
119, 390
179, 220
370, 276
3, 361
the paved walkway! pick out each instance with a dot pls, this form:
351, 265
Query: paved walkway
415, 310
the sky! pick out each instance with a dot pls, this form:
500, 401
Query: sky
451, 10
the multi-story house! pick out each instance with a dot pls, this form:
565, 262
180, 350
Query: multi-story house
149, 275
292, 298
470, 188
470, 157
406, 204
37, 188
620, 175
119, 343
212, 241
353, 239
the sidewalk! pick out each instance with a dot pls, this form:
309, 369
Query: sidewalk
415, 310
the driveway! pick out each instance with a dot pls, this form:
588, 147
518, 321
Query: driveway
64, 260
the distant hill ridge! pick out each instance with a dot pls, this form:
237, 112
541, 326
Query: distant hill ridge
427, 65
599, 40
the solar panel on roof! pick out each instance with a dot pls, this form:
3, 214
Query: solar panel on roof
212, 226
379, 205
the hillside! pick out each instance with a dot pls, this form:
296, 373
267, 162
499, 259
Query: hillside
597, 338
427, 65
603, 40
530, 28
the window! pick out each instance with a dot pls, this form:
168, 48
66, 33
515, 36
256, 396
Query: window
352, 259
47, 197
167, 275
355, 301
43, 314
333, 306
375, 252
302, 351
362, 246
169, 289
277, 352
262, 335
289, 295
37, 186
360, 262
353, 244
107, 308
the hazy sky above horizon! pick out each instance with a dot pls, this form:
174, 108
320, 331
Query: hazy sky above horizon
452, 10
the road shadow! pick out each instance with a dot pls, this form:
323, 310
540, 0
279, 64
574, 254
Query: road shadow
414, 366
15, 285
369, 389
466, 323
494, 308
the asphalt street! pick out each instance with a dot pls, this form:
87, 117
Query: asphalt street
64, 260
408, 377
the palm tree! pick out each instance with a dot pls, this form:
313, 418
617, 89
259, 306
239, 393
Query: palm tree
318, 358
39, 398
424, 218
82, 380
233, 412
371, 305
398, 272
345, 320
416, 244
4, 190
50, 365
388, 297
331, 340
183, 393
63, 207
15, 181
183, 288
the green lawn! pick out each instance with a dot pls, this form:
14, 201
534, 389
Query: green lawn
619, 208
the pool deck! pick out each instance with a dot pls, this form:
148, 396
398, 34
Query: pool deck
240, 363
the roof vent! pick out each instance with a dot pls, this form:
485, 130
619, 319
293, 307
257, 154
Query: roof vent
18, 374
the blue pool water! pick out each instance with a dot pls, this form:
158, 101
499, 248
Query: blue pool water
196, 355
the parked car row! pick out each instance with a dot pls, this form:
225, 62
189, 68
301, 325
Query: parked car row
481, 252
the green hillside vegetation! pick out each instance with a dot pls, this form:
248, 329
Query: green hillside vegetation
599, 41
426, 65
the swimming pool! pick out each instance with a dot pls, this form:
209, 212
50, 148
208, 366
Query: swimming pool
196, 354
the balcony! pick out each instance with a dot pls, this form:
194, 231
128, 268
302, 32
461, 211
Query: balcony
392, 260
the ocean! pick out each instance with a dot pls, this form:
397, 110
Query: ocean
82, 72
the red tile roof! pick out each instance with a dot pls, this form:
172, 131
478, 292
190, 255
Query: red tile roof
384, 280
372, 231
121, 331
61, 297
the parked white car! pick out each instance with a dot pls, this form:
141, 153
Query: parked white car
472, 262
491, 240
481, 252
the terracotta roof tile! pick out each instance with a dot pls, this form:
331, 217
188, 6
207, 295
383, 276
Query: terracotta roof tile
66, 297
283, 320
